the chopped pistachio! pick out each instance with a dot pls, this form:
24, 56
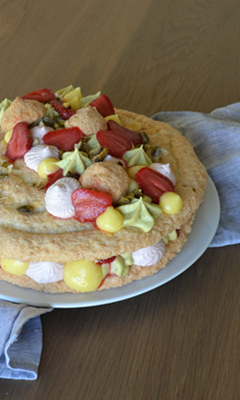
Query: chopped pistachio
100, 157
144, 136
27, 209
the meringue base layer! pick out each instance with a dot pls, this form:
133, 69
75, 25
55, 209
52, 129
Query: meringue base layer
135, 272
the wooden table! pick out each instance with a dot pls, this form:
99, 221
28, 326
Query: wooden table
181, 340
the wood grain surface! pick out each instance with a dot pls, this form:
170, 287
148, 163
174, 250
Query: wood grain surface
180, 341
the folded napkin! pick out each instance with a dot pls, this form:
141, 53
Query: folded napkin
215, 138
20, 340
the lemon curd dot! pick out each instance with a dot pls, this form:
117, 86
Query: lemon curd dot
8, 136
14, 267
82, 275
134, 169
171, 203
113, 117
47, 166
110, 220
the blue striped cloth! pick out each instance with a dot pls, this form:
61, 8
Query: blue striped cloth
20, 340
215, 138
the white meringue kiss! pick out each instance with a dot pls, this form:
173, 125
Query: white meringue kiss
38, 153
149, 255
45, 272
165, 170
119, 161
58, 198
37, 132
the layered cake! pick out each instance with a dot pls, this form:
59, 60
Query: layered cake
91, 196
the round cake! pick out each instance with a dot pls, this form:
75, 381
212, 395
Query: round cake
91, 196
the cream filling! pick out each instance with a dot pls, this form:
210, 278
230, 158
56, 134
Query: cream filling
149, 255
50, 272
45, 272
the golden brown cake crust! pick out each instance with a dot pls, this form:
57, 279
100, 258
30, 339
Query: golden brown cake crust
135, 272
42, 237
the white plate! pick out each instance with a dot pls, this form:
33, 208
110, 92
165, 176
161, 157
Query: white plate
203, 231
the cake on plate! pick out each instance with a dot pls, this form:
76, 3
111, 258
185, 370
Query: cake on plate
91, 196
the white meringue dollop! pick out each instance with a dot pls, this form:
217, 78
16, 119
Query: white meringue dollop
149, 255
45, 272
165, 170
115, 160
38, 153
58, 198
37, 132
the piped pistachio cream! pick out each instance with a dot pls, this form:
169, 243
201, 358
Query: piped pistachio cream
137, 156
74, 161
4, 106
140, 213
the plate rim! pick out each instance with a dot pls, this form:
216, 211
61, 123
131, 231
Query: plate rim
210, 207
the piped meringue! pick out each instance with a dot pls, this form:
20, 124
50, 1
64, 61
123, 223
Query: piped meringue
58, 198
45, 272
38, 153
149, 255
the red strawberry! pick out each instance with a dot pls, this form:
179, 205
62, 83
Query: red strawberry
51, 178
135, 137
64, 112
104, 105
107, 260
64, 139
116, 143
89, 204
42, 95
153, 184
20, 141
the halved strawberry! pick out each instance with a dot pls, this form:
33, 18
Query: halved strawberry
42, 95
64, 139
116, 143
153, 183
135, 137
64, 112
20, 141
104, 105
89, 204
51, 178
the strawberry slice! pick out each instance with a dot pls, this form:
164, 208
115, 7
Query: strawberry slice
104, 105
89, 204
116, 143
51, 178
42, 95
64, 112
135, 137
107, 260
64, 139
20, 142
153, 183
